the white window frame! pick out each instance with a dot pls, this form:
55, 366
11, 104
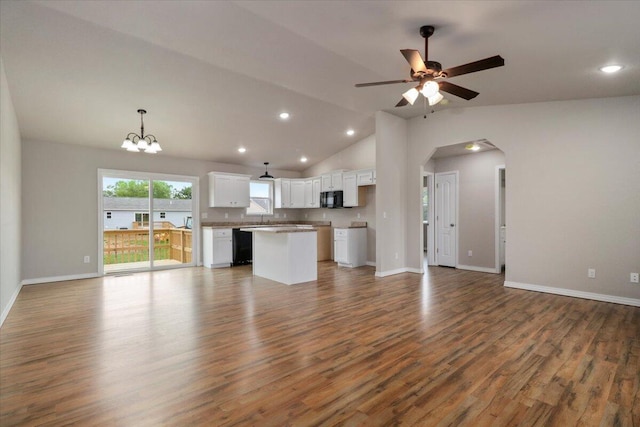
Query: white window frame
271, 198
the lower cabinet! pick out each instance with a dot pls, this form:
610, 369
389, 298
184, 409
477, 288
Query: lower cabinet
217, 247
350, 246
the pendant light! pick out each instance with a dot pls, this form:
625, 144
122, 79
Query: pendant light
134, 142
266, 172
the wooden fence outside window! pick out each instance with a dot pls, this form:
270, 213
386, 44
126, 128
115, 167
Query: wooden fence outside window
124, 246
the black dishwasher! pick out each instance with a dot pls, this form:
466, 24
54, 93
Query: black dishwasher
242, 247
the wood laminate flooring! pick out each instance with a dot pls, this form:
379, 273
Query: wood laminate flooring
220, 347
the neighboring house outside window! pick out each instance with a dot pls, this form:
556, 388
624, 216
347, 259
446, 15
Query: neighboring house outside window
261, 198
142, 218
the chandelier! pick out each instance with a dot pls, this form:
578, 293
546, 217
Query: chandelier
147, 143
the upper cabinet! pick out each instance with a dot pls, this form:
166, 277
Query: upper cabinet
297, 193
353, 195
282, 189
312, 188
228, 190
366, 177
332, 181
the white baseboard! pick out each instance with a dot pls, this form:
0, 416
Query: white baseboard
59, 278
474, 268
371, 263
6, 310
390, 272
415, 270
573, 293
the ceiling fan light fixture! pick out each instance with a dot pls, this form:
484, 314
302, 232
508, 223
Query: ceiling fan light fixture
430, 88
434, 99
411, 95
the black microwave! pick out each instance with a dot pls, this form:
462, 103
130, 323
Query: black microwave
331, 199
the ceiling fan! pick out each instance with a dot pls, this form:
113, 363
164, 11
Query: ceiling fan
431, 77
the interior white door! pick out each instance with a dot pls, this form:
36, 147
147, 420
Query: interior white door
446, 214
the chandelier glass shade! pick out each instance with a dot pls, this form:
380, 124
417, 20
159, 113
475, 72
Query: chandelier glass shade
136, 143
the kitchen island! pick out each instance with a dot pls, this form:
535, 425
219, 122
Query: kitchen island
285, 254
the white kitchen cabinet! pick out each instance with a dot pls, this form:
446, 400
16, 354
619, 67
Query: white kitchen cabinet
282, 193
228, 190
350, 246
366, 177
217, 247
312, 188
332, 181
297, 193
352, 194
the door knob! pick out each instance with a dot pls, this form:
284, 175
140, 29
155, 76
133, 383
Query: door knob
453, 225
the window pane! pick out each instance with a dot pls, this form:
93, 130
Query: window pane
260, 194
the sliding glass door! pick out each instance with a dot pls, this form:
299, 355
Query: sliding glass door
146, 220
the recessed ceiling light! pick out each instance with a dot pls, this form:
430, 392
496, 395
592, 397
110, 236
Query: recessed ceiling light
351, 132
472, 147
241, 150
611, 68
303, 159
284, 115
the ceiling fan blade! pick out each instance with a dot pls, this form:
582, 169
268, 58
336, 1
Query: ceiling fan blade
388, 82
472, 67
402, 103
458, 91
414, 59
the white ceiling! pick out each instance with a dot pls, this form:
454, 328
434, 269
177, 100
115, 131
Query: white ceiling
214, 75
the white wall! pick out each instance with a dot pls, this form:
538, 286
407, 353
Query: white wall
10, 202
360, 155
573, 190
391, 194
60, 201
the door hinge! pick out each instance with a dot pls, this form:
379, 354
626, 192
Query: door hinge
437, 250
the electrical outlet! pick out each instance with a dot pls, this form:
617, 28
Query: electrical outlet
226, 215
384, 215
241, 216
87, 259
358, 216
204, 215
591, 273
324, 215
634, 278
470, 253
396, 255
284, 215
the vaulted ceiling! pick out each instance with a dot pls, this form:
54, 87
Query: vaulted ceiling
215, 75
